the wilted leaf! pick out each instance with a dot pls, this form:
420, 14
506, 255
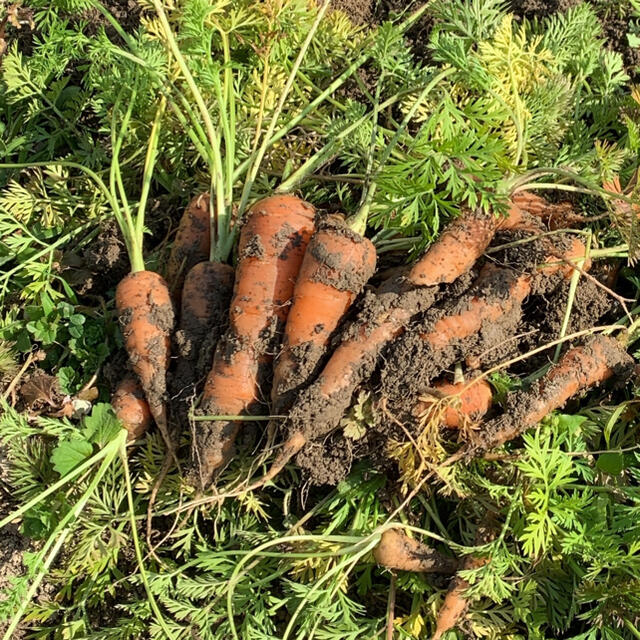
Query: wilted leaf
41, 387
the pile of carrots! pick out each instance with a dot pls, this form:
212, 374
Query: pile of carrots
296, 328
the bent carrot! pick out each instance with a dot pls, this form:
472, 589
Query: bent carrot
205, 304
271, 247
579, 369
474, 399
191, 244
398, 551
131, 408
336, 266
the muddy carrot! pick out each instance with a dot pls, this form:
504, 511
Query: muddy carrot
335, 268
474, 399
131, 408
579, 369
271, 247
145, 310
397, 551
206, 295
191, 245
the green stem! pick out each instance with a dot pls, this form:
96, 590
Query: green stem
149, 164
214, 142
64, 529
259, 155
136, 543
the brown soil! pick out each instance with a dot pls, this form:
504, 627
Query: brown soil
105, 260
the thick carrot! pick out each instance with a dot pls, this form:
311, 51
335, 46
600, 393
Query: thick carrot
397, 551
145, 310
205, 304
131, 408
336, 266
474, 399
191, 244
455, 604
271, 247
580, 368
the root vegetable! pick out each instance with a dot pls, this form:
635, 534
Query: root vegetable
191, 244
579, 369
205, 303
336, 266
556, 215
474, 399
271, 247
397, 551
145, 310
131, 408
461, 244
455, 604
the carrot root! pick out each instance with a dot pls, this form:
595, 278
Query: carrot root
131, 408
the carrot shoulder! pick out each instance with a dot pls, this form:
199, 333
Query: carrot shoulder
271, 247
335, 268
397, 551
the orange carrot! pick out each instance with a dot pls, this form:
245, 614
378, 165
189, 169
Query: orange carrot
271, 247
580, 368
461, 244
474, 399
397, 551
556, 215
455, 604
191, 244
335, 268
145, 310
131, 408
205, 304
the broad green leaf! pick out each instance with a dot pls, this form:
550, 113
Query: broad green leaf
69, 454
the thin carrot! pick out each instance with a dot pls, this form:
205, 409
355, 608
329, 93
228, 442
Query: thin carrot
473, 400
145, 310
397, 551
191, 244
131, 408
271, 247
579, 369
556, 215
205, 304
455, 603
335, 268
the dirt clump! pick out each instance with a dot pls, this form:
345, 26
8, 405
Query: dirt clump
105, 260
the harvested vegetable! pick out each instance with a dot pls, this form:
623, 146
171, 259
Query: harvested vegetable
131, 408
271, 247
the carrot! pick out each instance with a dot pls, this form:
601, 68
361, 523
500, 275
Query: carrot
397, 551
205, 303
461, 244
474, 399
336, 266
455, 604
580, 368
191, 245
271, 247
145, 310
556, 215
131, 408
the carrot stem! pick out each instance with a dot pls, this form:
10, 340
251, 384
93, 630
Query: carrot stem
259, 155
